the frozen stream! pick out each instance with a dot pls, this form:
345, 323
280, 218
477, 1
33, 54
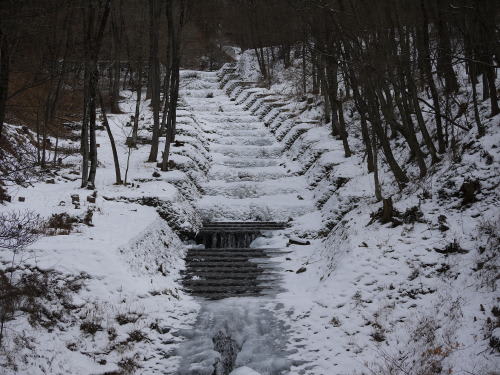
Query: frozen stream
237, 330
248, 329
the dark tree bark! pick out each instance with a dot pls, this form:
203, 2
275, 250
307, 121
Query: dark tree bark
4, 76
154, 75
427, 66
118, 176
94, 42
138, 94
116, 66
399, 174
176, 17
378, 189
444, 56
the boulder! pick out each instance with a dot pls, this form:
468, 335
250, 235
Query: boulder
298, 241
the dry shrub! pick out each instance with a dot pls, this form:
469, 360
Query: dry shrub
18, 229
128, 365
429, 343
61, 223
18, 158
487, 259
43, 296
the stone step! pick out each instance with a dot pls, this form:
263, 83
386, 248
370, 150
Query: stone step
230, 283
201, 259
227, 268
244, 141
251, 253
218, 296
248, 163
238, 230
239, 226
232, 275
258, 262
251, 174
253, 189
205, 289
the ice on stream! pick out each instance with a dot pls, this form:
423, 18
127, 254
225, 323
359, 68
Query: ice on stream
259, 336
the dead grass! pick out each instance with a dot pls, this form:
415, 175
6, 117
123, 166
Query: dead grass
487, 258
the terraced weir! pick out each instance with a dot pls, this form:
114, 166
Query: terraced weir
234, 271
227, 266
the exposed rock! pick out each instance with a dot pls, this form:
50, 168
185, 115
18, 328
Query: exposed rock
228, 349
298, 241
452, 248
469, 190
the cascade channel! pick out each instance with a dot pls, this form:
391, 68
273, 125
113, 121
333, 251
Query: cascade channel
233, 271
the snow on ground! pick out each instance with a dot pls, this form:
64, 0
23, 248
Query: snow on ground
360, 297
414, 298
129, 257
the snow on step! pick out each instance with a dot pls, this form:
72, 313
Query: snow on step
252, 189
230, 174
228, 117
220, 159
266, 207
248, 179
252, 151
245, 140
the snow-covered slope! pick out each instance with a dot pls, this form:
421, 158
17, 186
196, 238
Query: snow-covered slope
405, 299
125, 263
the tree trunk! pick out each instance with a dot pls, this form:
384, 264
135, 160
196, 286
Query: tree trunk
84, 146
398, 173
4, 77
115, 68
477, 117
444, 61
93, 46
343, 131
138, 93
378, 190
370, 160
427, 66
93, 82
332, 88
154, 74
112, 141
175, 21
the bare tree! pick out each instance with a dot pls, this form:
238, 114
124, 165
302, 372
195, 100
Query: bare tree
18, 229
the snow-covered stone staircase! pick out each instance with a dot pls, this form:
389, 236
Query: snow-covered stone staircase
248, 179
248, 192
